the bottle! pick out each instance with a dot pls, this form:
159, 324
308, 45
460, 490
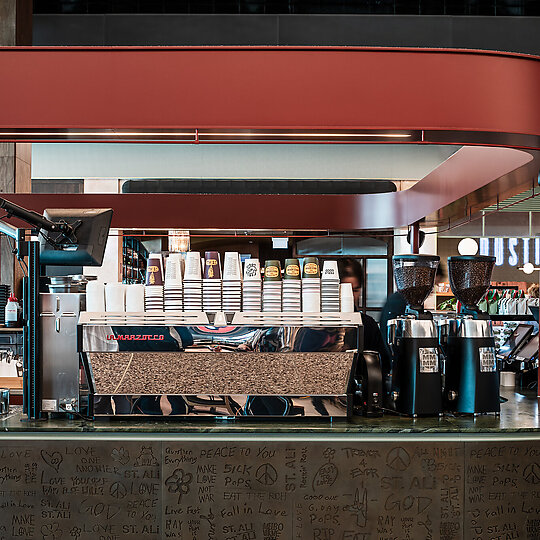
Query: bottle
12, 312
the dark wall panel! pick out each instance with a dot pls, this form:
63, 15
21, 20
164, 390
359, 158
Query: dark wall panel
372, 30
190, 30
69, 30
517, 34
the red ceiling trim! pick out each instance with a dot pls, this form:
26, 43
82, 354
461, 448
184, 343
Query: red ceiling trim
270, 88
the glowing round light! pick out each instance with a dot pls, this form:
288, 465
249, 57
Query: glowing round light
528, 268
468, 246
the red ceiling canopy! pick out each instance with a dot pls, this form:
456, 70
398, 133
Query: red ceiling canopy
224, 88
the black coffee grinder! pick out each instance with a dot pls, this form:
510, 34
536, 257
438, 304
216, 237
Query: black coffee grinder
471, 375
416, 374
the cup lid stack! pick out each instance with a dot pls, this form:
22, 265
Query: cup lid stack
212, 300
153, 291
173, 283
251, 294
232, 282
311, 285
330, 287
292, 286
272, 286
192, 283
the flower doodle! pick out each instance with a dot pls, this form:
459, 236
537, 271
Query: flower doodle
179, 482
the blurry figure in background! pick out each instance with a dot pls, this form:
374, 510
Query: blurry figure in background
350, 271
533, 291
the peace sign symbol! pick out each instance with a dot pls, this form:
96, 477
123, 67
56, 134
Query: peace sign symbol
398, 459
531, 473
118, 490
266, 474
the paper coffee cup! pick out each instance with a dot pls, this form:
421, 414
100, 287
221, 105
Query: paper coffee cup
311, 268
232, 269
212, 265
252, 270
272, 270
154, 269
292, 269
346, 298
173, 270
330, 270
192, 271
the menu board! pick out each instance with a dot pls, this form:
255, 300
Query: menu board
243, 490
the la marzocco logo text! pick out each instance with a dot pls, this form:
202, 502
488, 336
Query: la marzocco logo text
136, 337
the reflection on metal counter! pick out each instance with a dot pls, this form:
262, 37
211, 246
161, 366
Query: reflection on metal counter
260, 365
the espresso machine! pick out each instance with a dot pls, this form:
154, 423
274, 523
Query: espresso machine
413, 339
471, 376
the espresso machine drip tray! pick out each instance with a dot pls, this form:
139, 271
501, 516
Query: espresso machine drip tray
236, 370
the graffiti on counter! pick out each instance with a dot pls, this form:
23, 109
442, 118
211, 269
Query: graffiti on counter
276, 491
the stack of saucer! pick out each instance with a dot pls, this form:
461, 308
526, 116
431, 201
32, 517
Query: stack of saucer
252, 300
192, 282
212, 282
232, 282
153, 291
272, 286
173, 283
330, 287
311, 285
292, 286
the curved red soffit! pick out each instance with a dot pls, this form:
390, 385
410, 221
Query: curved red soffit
470, 168
270, 88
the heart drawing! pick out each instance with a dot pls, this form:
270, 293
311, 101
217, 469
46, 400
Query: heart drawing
52, 459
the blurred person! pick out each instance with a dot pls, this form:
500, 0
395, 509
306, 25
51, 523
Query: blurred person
350, 271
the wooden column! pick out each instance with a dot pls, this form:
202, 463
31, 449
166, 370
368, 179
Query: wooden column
15, 159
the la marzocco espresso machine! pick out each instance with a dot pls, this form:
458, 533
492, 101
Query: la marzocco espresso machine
471, 376
413, 338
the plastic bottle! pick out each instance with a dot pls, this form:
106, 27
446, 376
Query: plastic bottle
12, 312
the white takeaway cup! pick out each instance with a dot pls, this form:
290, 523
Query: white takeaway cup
232, 269
193, 270
252, 270
173, 270
330, 270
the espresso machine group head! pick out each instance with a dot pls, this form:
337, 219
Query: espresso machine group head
471, 376
416, 374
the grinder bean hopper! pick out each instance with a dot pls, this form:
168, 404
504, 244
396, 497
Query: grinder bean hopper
416, 375
471, 376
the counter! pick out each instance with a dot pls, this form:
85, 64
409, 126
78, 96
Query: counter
390, 477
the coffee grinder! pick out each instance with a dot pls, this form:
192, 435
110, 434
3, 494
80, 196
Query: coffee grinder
471, 375
413, 339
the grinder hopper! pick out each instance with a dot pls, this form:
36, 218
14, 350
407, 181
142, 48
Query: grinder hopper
469, 277
415, 279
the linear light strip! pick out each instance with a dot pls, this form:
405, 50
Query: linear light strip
209, 134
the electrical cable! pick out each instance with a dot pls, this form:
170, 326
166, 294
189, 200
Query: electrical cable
15, 251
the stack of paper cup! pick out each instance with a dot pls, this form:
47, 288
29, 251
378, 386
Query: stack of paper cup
212, 282
115, 297
330, 287
173, 283
153, 293
252, 300
135, 298
95, 297
232, 282
346, 298
292, 286
272, 286
192, 282
311, 285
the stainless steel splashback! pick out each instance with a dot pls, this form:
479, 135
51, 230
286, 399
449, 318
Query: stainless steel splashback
59, 314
